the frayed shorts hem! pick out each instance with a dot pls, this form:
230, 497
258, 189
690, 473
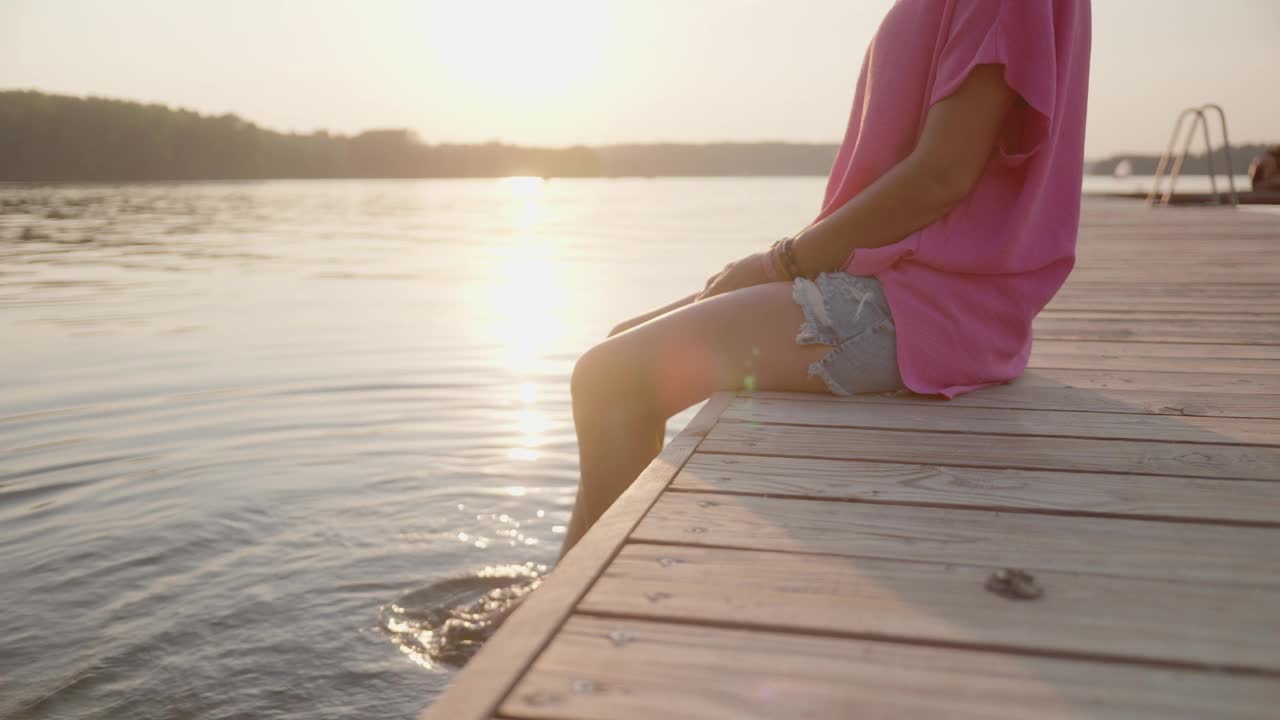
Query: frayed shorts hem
849, 313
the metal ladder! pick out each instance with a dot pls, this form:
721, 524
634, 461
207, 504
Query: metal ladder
1201, 122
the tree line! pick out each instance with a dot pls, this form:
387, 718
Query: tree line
45, 137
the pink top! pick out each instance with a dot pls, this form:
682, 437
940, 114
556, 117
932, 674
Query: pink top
964, 290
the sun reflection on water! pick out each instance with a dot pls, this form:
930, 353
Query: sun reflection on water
524, 301
527, 290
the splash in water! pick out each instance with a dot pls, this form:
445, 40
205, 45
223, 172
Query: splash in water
446, 623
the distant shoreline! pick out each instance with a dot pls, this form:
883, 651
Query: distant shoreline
1141, 180
62, 138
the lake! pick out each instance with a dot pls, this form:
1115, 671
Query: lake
254, 436
240, 420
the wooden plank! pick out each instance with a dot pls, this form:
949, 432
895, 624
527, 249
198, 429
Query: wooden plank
1080, 294
1137, 361
1083, 287
1030, 396
1229, 314
1107, 248
1206, 499
1181, 246
1258, 272
1103, 546
1110, 248
1118, 349
1246, 268
504, 658
1156, 357
1171, 330
1166, 428
1172, 402
623, 669
1155, 381
1243, 462
1261, 306
1078, 614
1170, 300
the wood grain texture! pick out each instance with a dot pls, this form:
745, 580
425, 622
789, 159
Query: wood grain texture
679, 672
1203, 499
1009, 451
504, 658
1103, 546
1080, 614
1112, 426
1149, 329
1186, 351
1034, 396
1116, 273
1080, 294
1150, 381
1100, 361
1224, 316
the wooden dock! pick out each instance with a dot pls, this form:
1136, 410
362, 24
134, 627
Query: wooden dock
803, 556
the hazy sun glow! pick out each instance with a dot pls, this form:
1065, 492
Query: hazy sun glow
565, 72
519, 49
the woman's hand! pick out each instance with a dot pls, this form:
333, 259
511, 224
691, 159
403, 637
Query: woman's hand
746, 272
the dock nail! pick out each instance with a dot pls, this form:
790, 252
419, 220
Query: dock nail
1014, 584
541, 698
667, 562
584, 687
621, 637
654, 597
697, 530
707, 503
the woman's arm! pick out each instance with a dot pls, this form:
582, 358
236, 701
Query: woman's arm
959, 135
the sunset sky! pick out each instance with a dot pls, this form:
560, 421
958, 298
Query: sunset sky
559, 72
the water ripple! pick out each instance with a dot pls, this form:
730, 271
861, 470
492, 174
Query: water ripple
238, 419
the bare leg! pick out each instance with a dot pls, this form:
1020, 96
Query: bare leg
641, 319
626, 387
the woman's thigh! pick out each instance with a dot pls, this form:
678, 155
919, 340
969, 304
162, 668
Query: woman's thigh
741, 339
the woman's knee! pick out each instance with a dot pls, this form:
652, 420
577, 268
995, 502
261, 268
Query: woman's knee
604, 374
592, 374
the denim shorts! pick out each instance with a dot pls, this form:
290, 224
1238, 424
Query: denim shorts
849, 313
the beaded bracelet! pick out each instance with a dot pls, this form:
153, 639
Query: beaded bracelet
770, 269
775, 257
786, 251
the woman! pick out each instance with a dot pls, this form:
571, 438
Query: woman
949, 222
